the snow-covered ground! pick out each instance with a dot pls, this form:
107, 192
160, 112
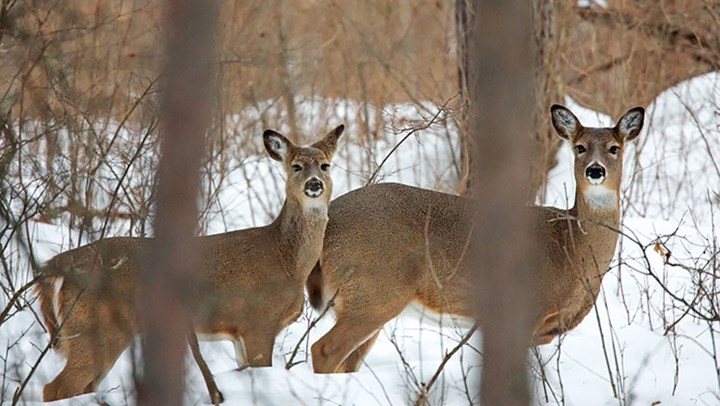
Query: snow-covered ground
620, 354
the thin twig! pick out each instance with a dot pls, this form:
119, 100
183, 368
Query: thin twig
425, 389
289, 364
412, 131
16, 297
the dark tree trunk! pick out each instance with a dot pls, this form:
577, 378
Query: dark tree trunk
169, 273
500, 85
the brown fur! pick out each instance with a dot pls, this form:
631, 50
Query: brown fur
256, 279
43, 290
388, 245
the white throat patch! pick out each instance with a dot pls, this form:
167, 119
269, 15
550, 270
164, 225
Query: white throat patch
599, 197
315, 206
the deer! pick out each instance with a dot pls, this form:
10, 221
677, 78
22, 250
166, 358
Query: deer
390, 246
256, 279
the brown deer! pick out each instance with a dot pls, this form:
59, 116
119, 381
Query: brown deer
256, 278
389, 245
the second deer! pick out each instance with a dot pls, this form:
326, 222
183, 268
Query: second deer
256, 275
389, 245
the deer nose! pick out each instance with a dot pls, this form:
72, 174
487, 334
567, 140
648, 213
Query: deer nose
595, 174
314, 187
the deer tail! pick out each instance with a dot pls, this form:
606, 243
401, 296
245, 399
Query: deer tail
48, 292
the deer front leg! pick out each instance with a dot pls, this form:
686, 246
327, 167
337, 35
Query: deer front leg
257, 347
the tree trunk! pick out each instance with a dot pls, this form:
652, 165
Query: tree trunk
500, 84
169, 273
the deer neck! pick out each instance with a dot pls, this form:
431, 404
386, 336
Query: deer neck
301, 229
598, 205
598, 219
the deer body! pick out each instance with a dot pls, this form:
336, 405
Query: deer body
576, 257
255, 279
388, 245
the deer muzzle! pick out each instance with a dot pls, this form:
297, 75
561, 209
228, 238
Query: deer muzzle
314, 187
595, 173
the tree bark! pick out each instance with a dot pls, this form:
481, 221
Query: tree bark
170, 268
500, 85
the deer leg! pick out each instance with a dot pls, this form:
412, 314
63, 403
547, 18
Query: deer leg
334, 348
88, 361
240, 353
356, 327
215, 395
73, 380
259, 348
95, 383
354, 360
354, 333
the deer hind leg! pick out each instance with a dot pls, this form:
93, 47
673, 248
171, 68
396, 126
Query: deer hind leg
357, 323
88, 361
347, 335
354, 360
109, 353
73, 380
91, 343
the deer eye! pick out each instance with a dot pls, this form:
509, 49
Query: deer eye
580, 149
325, 167
614, 150
296, 168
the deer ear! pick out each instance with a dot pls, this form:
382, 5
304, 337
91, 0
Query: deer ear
276, 145
565, 122
631, 123
329, 143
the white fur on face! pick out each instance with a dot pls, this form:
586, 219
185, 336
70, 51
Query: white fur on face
314, 193
599, 197
597, 181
